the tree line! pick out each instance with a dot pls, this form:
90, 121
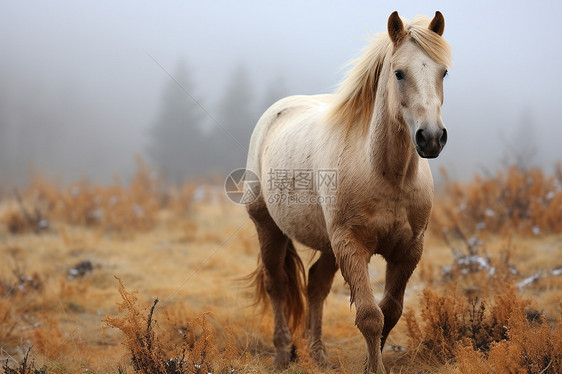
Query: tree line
65, 135
189, 139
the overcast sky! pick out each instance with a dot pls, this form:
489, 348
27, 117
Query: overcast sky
505, 84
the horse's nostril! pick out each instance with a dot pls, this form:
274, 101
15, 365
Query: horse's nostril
420, 139
443, 139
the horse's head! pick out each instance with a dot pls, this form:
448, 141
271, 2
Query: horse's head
415, 84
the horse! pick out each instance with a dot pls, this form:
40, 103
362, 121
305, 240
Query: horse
371, 140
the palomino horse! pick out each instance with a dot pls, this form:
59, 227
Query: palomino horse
374, 134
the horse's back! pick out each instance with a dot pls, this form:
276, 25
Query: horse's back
283, 113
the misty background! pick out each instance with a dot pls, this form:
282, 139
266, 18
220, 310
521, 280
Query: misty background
84, 87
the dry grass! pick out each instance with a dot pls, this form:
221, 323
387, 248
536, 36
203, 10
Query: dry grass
485, 297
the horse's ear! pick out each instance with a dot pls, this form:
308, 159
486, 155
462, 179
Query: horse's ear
437, 24
395, 28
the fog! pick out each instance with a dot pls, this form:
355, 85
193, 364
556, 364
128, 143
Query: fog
82, 86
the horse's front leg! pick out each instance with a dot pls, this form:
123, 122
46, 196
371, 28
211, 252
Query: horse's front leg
398, 272
353, 260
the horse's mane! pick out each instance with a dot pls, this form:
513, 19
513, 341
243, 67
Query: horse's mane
354, 100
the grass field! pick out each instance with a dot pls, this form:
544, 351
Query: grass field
82, 266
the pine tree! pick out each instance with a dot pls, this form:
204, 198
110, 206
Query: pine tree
176, 138
237, 118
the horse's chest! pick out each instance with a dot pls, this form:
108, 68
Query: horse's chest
393, 224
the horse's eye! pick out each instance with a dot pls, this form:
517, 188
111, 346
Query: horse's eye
445, 73
399, 75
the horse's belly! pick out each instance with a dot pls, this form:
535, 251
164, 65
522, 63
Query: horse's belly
300, 218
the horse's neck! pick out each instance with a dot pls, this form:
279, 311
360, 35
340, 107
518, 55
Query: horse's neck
393, 156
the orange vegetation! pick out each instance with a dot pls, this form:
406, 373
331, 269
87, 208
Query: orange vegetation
484, 299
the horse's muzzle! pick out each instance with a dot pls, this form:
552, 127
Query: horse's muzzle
430, 143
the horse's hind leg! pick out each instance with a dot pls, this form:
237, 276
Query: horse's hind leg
320, 278
273, 249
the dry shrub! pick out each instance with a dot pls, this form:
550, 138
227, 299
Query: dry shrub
22, 218
19, 281
157, 350
474, 316
115, 208
525, 200
17, 287
444, 324
500, 336
15, 222
146, 353
530, 347
24, 367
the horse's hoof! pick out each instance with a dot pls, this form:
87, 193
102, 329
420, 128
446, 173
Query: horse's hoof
282, 359
321, 360
379, 370
374, 367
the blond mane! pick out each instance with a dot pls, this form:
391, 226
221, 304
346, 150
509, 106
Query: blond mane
354, 100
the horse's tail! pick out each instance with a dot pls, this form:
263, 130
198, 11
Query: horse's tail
296, 286
256, 281
294, 269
